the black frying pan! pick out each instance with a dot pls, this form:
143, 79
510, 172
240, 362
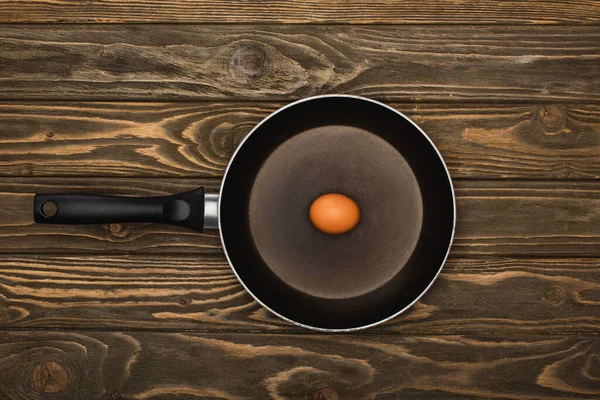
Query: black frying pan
325, 144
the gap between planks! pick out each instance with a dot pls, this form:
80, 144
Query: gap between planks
373, 331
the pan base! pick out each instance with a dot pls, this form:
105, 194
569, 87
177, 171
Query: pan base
335, 159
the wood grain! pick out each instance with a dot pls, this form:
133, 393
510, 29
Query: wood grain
136, 365
520, 217
494, 217
495, 295
491, 141
303, 11
282, 62
143, 311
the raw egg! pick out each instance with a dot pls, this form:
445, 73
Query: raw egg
334, 213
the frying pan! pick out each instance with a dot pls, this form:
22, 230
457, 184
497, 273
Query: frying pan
325, 144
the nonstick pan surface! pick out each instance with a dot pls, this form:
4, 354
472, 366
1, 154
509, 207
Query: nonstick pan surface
368, 152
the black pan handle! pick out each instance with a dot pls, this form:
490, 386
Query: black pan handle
185, 209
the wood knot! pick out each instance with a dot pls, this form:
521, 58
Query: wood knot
554, 295
49, 135
249, 61
552, 118
26, 171
118, 230
50, 377
115, 228
213, 312
185, 302
326, 394
226, 137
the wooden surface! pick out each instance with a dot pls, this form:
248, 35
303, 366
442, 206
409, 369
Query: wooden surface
472, 295
508, 91
304, 11
275, 62
195, 140
141, 365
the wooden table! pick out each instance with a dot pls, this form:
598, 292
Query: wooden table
151, 98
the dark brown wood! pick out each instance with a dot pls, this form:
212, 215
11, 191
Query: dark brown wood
304, 11
143, 311
280, 62
521, 217
136, 365
538, 141
494, 217
495, 295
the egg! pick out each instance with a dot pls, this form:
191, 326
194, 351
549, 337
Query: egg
334, 213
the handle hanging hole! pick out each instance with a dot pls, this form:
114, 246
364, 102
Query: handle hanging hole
48, 209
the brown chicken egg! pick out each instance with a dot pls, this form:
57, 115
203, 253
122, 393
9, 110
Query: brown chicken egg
334, 213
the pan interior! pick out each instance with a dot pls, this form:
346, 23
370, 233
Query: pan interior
336, 159
366, 151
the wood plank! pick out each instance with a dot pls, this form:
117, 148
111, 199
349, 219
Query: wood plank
496, 295
522, 141
494, 217
304, 11
137, 365
282, 62
520, 217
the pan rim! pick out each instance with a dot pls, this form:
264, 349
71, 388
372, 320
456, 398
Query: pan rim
355, 328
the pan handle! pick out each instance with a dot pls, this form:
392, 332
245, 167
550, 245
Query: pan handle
185, 209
